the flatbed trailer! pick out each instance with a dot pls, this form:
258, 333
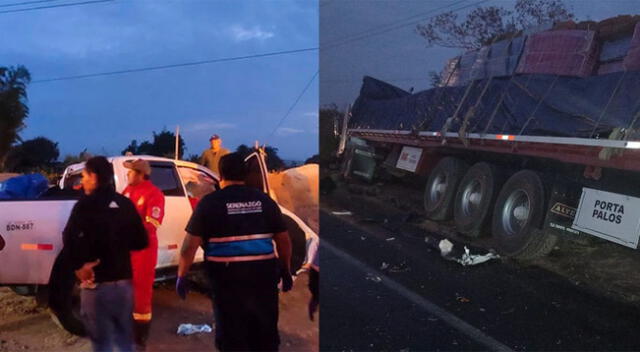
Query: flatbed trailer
524, 190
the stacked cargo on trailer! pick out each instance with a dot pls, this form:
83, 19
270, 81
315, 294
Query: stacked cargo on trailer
524, 140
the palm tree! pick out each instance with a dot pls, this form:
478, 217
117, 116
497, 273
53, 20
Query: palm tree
13, 107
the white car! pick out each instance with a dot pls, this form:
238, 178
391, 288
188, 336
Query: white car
31, 230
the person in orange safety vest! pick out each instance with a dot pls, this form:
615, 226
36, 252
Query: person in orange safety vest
149, 202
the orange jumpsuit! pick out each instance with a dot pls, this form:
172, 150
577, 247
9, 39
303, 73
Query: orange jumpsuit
149, 202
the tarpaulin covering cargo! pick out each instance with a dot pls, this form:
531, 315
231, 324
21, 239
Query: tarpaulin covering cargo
632, 60
560, 52
539, 105
496, 60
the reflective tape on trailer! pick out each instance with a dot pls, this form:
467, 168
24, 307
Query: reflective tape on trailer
591, 142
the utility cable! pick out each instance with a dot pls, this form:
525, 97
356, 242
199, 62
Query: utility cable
55, 6
164, 67
294, 104
27, 3
399, 25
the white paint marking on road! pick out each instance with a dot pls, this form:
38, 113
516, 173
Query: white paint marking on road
472, 332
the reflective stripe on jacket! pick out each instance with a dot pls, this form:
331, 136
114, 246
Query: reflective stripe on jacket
240, 248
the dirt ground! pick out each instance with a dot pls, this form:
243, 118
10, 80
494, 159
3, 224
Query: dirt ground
26, 327
598, 265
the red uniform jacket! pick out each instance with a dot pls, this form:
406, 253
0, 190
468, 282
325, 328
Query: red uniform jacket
149, 202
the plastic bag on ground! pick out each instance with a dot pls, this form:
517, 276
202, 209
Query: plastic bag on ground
189, 329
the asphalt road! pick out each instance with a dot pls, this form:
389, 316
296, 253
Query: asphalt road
423, 302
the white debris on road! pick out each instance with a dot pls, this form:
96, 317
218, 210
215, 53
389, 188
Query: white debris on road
342, 213
374, 278
446, 250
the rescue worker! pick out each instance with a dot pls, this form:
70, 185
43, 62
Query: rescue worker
149, 202
211, 157
237, 227
101, 231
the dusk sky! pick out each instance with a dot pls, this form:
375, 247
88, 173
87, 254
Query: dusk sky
400, 56
242, 101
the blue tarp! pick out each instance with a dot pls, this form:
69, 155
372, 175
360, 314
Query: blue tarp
540, 105
24, 187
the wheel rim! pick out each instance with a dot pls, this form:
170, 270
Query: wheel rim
437, 189
516, 211
471, 197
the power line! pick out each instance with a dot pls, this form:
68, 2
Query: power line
26, 3
55, 6
163, 67
386, 80
399, 25
394, 23
294, 104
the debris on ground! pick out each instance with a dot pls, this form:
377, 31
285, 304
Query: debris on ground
374, 278
390, 239
473, 259
463, 255
363, 238
188, 329
342, 213
400, 268
462, 299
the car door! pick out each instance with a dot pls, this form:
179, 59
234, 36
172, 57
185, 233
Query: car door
257, 173
177, 211
197, 183
257, 176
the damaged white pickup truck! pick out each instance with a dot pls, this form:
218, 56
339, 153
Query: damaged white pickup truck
31, 257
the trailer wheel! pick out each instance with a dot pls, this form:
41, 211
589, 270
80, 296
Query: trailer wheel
474, 199
518, 215
441, 188
64, 296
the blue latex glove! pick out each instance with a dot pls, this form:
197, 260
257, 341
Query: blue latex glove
182, 287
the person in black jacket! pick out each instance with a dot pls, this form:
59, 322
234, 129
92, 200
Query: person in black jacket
101, 231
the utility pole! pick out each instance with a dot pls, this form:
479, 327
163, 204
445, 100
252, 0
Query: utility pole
177, 141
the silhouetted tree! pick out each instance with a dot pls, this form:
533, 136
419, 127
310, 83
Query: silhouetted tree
13, 107
329, 116
274, 162
35, 154
163, 145
313, 160
483, 24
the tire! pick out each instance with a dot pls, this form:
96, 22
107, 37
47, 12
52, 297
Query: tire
64, 296
474, 200
518, 216
441, 188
